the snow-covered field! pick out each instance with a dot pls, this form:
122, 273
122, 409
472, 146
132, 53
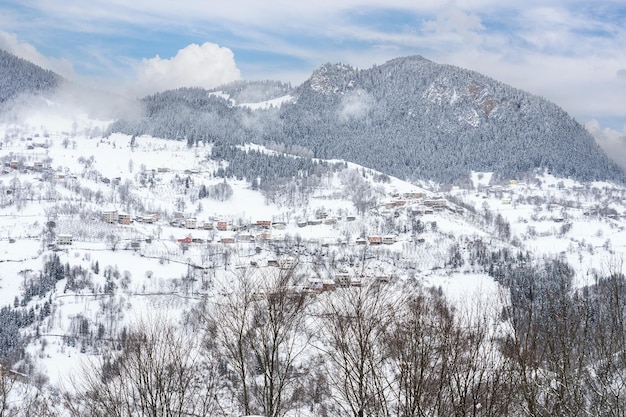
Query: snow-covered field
60, 175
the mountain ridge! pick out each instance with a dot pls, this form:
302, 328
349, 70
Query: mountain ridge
409, 117
452, 120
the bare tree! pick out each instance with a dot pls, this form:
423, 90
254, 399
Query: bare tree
260, 328
606, 383
416, 344
231, 315
549, 342
19, 397
161, 371
353, 325
278, 340
477, 381
444, 360
8, 385
113, 239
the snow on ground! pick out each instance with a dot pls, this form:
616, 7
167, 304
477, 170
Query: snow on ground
582, 223
275, 102
480, 179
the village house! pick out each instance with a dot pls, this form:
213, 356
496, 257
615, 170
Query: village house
415, 194
375, 240
389, 239
264, 224
438, 203
222, 225
342, 279
279, 225
123, 218
65, 239
245, 237
190, 223
110, 216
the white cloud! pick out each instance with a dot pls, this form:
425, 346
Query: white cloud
207, 65
10, 43
355, 105
612, 141
451, 19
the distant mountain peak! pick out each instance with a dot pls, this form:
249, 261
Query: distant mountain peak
409, 117
332, 79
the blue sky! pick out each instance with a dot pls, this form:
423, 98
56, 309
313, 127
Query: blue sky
568, 51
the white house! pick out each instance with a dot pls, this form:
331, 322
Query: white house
65, 239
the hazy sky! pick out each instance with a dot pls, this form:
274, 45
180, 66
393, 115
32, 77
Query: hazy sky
568, 51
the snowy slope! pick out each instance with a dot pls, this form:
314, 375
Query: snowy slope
132, 270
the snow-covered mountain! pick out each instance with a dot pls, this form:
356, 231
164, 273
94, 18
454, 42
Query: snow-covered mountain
410, 117
140, 274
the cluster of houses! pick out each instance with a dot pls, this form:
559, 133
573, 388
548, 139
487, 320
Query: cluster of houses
415, 202
115, 217
14, 165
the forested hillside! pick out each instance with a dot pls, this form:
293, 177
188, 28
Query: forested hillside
410, 117
19, 76
414, 118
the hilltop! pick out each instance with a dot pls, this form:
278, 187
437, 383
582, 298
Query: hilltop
410, 117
